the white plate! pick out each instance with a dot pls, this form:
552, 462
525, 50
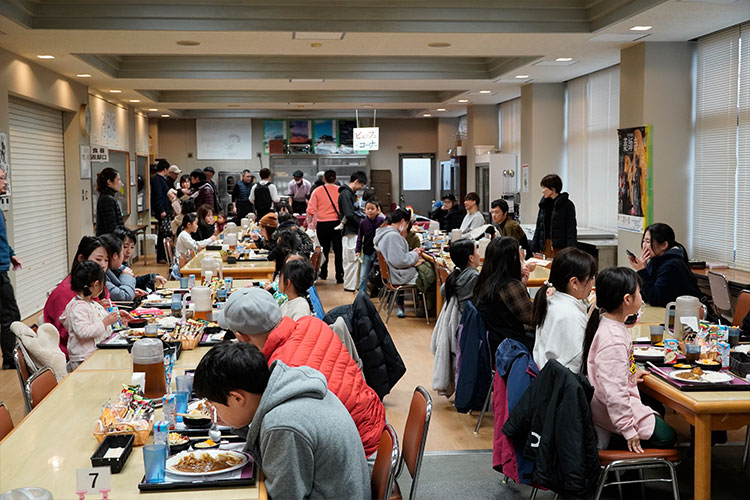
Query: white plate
743, 348
706, 378
175, 459
648, 352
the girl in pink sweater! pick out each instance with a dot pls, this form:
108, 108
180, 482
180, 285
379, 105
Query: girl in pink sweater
608, 350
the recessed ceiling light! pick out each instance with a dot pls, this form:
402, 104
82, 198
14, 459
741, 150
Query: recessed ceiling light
153, 109
564, 59
233, 105
522, 76
165, 116
315, 45
318, 35
188, 43
83, 75
135, 100
641, 28
45, 56
368, 106
463, 100
306, 80
441, 109
438, 45
427, 115
115, 91
485, 91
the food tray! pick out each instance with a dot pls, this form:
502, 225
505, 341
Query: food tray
737, 384
739, 364
139, 437
113, 441
241, 477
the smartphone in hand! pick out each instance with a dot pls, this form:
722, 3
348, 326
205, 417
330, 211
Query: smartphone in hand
630, 254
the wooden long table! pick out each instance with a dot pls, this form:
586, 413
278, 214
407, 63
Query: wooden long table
247, 270
56, 438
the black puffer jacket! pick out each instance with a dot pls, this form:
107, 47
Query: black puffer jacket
108, 214
552, 424
666, 277
563, 232
382, 365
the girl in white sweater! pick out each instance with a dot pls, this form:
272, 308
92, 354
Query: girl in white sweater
185, 241
295, 279
559, 311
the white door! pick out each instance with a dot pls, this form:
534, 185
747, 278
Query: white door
37, 182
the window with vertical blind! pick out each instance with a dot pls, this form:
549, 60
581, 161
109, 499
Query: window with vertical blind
721, 208
592, 118
510, 126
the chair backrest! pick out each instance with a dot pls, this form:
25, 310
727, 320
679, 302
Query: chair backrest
742, 308
720, 291
415, 435
169, 250
21, 365
384, 470
442, 273
6, 422
385, 275
316, 259
39, 385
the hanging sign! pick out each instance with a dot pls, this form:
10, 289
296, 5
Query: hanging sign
366, 139
99, 154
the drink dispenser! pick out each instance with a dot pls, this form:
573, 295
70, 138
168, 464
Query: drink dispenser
202, 298
213, 265
148, 358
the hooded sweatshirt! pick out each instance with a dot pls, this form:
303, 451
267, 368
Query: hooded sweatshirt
465, 283
395, 250
304, 439
121, 287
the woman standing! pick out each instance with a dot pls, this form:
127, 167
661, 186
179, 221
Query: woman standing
108, 212
323, 215
556, 222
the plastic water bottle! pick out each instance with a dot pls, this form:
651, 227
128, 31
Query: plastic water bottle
191, 281
161, 432
169, 409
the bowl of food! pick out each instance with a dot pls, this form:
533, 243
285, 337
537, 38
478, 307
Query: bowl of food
137, 323
709, 364
196, 419
204, 444
178, 443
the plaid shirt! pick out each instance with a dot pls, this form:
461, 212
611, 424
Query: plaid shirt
516, 297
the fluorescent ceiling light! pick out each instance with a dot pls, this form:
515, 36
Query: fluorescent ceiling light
438, 45
165, 116
564, 59
45, 56
427, 115
135, 100
641, 28
441, 109
463, 100
521, 77
485, 91
318, 35
188, 43
115, 91
306, 80
153, 109
617, 37
83, 75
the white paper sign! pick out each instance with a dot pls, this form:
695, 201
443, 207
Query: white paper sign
366, 139
525, 178
85, 162
93, 480
99, 154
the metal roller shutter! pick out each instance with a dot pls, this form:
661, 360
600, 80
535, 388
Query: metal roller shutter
37, 170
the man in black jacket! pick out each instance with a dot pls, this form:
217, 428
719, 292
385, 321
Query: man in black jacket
161, 208
552, 424
347, 208
450, 215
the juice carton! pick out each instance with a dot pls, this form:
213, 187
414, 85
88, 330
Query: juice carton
671, 349
723, 349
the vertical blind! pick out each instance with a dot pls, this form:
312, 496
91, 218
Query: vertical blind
510, 126
722, 133
592, 118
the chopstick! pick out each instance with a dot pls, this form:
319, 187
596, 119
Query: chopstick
657, 369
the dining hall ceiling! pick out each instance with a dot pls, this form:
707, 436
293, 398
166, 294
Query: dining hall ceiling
275, 58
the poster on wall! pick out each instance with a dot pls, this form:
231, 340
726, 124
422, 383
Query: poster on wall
224, 138
635, 183
299, 132
346, 133
5, 159
325, 137
273, 130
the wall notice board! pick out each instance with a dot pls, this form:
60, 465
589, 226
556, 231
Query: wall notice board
224, 138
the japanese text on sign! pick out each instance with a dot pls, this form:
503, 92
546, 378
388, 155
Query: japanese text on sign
366, 139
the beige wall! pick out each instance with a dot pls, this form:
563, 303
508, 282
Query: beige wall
26, 80
482, 129
656, 88
542, 145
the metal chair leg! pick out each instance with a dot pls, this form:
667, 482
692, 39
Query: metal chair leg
486, 405
673, 475
392, 302
643, 485
533, 494
747, 448
619, 486
426, 314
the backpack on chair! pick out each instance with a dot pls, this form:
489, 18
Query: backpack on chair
263, 201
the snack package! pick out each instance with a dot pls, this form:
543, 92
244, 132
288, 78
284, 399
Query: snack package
671, 349
723, 349
723, 333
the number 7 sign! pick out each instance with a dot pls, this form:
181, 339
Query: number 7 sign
93, 480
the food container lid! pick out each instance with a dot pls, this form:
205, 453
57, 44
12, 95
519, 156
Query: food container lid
148, 351
31, 493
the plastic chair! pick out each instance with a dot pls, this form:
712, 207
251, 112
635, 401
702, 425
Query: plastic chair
39, 385
316, 260
742, 308
384, 471
6, 422
392, 291
720, 294
414, 439
622, 460
24, 368
169, 251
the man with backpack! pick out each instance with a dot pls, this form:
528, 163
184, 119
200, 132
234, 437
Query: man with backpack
264, 194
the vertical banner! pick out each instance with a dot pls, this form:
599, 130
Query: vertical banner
635, 181
5, 159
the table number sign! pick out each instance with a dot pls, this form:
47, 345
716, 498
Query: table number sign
93, 480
